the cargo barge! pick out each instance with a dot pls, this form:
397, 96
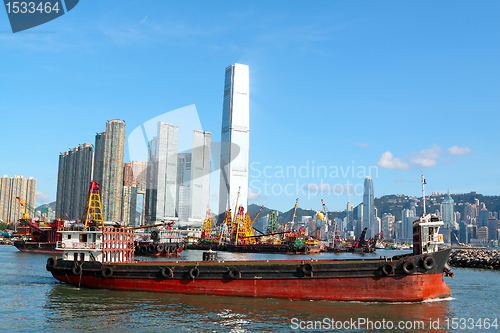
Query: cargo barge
104, 259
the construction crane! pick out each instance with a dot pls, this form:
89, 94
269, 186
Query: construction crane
207, 232
92, 211
24, 208
336, 229
294, 211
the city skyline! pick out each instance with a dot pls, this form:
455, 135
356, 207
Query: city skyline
324, 78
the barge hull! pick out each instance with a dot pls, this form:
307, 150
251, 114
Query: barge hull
414, 288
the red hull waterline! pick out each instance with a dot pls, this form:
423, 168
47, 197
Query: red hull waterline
414, 288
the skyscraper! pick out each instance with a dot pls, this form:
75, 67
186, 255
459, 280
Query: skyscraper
349, 216
235, 138
369, 218
184, 170
448, 214
108, 168
12, 187
73, 179
200, 174
161, 183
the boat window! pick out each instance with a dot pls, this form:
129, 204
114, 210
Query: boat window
69, 236
82, 256
75, 256
83, 238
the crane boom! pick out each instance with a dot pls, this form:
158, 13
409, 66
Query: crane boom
294, 211
255, 218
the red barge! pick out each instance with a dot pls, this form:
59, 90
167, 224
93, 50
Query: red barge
102, 257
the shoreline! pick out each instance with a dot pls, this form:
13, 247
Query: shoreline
470, 258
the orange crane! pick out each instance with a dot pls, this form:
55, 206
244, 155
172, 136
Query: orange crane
92, 213
24, 207
294, 212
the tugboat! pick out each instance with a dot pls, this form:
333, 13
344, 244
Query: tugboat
104, 259
37, 236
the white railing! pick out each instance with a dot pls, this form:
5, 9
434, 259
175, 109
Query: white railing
65, 245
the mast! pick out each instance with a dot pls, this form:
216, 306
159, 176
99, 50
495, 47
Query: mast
423, 191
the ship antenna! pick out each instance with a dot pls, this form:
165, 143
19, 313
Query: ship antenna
423, 190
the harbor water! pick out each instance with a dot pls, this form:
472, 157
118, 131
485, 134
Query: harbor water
32, 301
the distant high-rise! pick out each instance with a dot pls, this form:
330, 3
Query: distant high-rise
184, 170
349, 216
369, 218
161, 183
12, 187
73, 179
200, 174
139, 171
235, 138
448, 213
387, 225
108, 168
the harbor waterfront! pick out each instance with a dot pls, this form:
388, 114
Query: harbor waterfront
33, 301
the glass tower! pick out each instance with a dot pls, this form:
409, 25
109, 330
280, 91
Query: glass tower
235, 138
369, 218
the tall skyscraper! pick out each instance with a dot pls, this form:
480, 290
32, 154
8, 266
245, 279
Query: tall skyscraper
10, 188
200, 174
108, 168
161, 184
369, 218
184, 170
73, 179
349, 216
235, 138
448, 212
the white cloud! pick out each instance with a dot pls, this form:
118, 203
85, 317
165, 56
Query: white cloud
362, 144
42, 198
399, 180
387, 160
426, 157
252, 195
456, 150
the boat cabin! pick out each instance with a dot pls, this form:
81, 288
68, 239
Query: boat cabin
426, 236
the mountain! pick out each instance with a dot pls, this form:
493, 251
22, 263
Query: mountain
52, 206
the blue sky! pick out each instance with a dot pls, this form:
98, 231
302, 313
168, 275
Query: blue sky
393, 87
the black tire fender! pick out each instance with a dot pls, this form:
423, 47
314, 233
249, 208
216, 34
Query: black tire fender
143, 250
51, 263
233, 273
409, 267
160, 247
194, 273
151, 248
387, 269
107, 272
167, 272
307, 269
428, 262
76, 270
